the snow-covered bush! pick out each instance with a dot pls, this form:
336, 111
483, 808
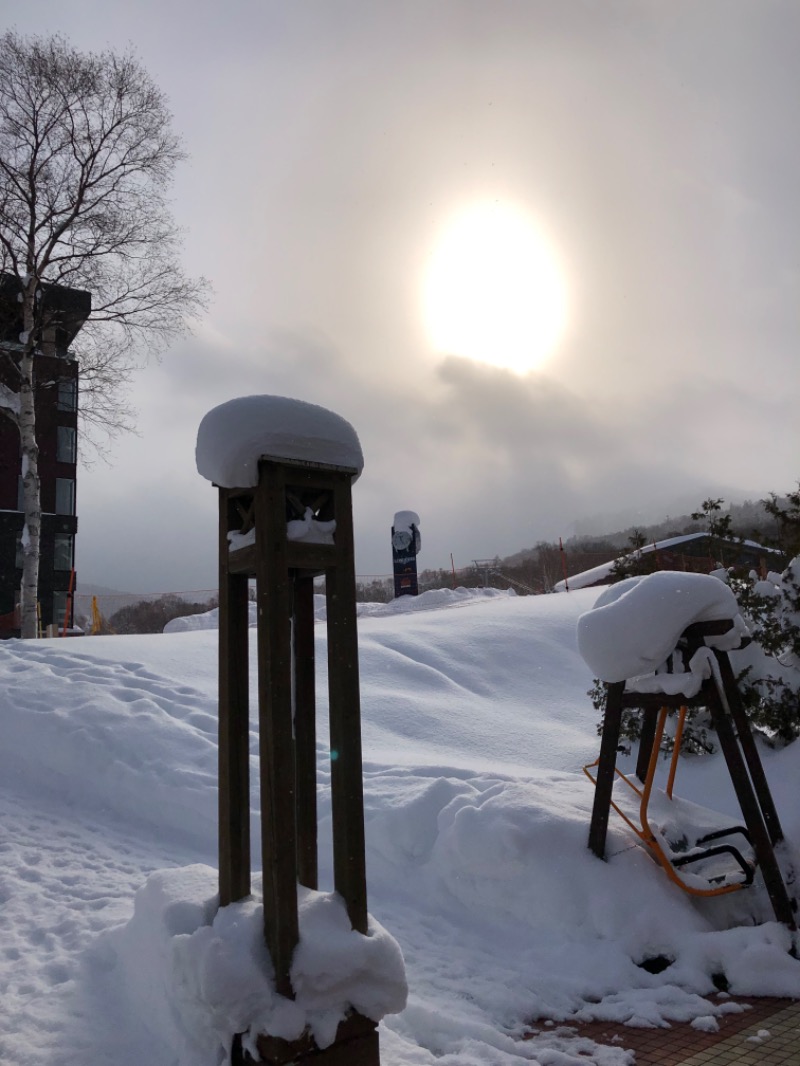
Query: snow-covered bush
770, 678
768, 670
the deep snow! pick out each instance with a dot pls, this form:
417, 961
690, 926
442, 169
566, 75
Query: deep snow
476, 724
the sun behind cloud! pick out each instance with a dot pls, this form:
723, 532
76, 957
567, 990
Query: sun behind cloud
493, 289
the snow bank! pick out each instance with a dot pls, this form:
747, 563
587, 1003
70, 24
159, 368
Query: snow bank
92, 732
202, 973
431, 600
475, 723
207, 620
234, 436
635, 624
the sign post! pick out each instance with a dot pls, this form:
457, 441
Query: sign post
406, 543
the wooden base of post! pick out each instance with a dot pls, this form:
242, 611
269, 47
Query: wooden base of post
356, 1044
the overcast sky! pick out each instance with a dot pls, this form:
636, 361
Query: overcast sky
334, 145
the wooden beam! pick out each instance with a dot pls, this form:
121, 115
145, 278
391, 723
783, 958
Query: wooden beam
234, 723
276, 741
609, 742
751, 810
347, 796
305, 730
749, 749
646, 739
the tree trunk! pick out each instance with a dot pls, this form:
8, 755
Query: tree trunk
31, 530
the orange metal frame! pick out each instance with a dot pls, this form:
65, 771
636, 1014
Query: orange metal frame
644, 832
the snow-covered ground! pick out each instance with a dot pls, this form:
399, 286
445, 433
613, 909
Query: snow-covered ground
476, 725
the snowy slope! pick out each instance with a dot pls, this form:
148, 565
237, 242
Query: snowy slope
475, 725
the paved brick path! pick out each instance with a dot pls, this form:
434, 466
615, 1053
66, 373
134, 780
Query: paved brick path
768, 1034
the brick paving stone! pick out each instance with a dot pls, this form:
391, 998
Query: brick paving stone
766, 1034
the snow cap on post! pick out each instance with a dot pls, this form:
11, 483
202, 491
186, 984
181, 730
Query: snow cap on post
636, 623
234, 436
405, 520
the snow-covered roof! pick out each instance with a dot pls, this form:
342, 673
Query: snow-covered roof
234, 436
597, 574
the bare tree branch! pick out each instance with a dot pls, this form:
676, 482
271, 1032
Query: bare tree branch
87, 154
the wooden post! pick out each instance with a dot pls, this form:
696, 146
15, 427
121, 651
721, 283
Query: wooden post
751, 810
305, 727
606, 769
749, 749
646, 740
347, 798
276, 740
234, 721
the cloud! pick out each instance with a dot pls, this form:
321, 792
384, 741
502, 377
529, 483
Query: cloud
329, 143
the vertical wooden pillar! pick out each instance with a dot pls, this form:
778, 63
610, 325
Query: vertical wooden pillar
749, 749
606, 766
234, 721
347, 798
646, 740
305, 727
751, 807
276, 732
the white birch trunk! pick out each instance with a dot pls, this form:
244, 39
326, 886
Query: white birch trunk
32, 505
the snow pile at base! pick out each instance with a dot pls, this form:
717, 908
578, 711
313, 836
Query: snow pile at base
234, 436
636, 623
203, 974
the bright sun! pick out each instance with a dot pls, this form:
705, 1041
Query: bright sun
493, 290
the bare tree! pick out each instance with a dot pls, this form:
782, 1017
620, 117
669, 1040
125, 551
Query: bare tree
87, 155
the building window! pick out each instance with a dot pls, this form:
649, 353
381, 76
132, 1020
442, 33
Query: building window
65, 496
63, 547
59, 607
68, 394
66, 445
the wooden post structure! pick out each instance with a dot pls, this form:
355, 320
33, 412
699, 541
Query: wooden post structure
284, 570
738, 748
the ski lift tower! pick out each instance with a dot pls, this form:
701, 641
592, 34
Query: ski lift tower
485, 567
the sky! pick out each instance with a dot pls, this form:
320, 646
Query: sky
475, 725
338, 151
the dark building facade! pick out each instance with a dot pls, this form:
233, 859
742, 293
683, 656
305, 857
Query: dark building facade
56, 403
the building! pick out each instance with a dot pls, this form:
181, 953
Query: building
697, 552
64, 312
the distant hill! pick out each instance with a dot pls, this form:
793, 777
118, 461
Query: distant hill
748, 519
541, 567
